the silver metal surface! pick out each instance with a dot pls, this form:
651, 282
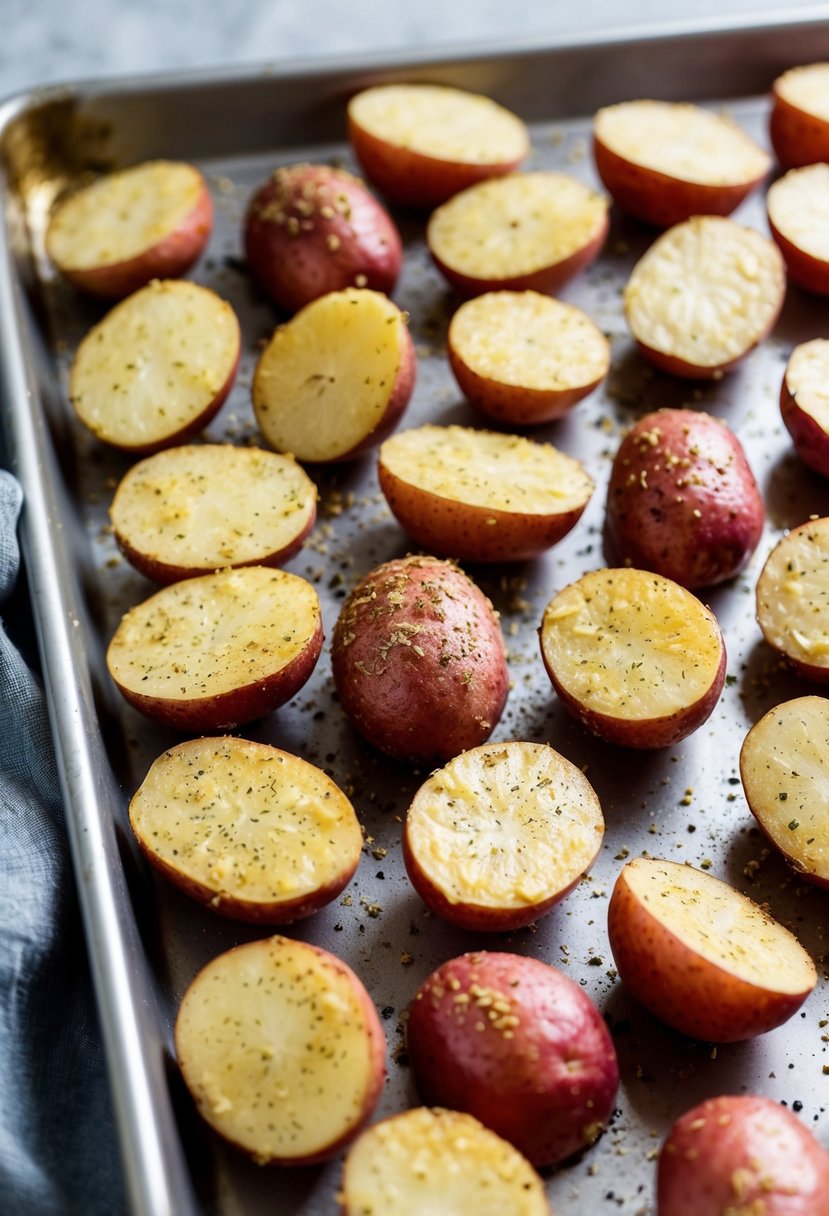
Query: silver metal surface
147, 941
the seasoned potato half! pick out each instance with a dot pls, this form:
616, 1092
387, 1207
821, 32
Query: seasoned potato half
500, 834
523, 231
421, 143
514, 1042
799, 122
665, 161
334, 380
431, 1160
633, 656
311, 229
148, 222
191, 510
702, 956
208, 653
524, 358
157, 368
479, 495
793, 599
798, 210
703, 296
263, 1031
253, 832
804, 403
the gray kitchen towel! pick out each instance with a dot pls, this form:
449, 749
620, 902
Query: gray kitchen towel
58, 1153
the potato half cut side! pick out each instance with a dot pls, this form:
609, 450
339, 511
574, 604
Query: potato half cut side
335, 379
192, 510
434, 1160
793, 599
208, 653
523, 231
253, 832
267, 1028
421, 143
804, 403
799, 122
798, 211
525, 358
703, 296
148, 222
637, 658
701, 956
665, 161
157, 368
480, 495
500, 834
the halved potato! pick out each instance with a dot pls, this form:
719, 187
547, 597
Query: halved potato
191, 510
804, 403
799, 122
665, 161
524, 358
208, 653
282, 1050
500, 834
148, 222
479, 495
157, 368
633, 656
335, 379
430, 1160
421, 143
793, 599
798, 211
253, 832
702, 956
523, 231
703, 296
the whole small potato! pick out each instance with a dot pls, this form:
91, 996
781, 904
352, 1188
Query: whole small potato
743, 1155
514, 1042
311, 229
682, 500
419, 661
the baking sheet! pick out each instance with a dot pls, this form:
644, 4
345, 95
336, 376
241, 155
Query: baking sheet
685, 803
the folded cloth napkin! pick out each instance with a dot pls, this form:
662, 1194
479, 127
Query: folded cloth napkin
58, 1152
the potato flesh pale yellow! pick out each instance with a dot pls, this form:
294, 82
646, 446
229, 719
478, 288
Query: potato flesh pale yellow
807, 379
807, 88
798, 206
793, 595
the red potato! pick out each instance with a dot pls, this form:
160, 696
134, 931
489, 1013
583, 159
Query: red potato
481, 496
209, 653
419, 661
335, 379
799, 120
500, 835
665, 161
745, 1155
703, 296
262, 1031
524, 358
251, 831
798, 207
793, 599
432, 1160
124, 230
418, 144
682, 500
804, 403
525, 231
312, 229
701, 956
635, 657
192, 510
517, 1044
157, 368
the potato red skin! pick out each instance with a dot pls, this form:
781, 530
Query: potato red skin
742, 1153
549, 1088
515, 404
682, 500
808, 271
311, 229
418, 660
811, 441
798, 138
